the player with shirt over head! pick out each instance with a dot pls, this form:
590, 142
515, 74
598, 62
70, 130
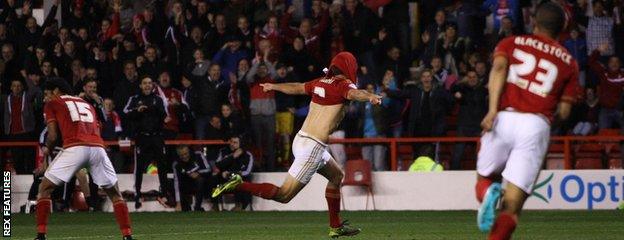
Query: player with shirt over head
309, 147
77, 122
531, 77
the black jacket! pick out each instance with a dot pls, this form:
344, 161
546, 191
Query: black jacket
473, 104
150, 121
241, 165
205, 97
439, 102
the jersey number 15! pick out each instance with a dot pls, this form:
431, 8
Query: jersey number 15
79, 111
546, 75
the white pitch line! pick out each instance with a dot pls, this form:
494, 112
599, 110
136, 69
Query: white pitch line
134, 235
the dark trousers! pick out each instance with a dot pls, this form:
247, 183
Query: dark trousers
201, 186
23, 157
263, 128
458, 150
150, 148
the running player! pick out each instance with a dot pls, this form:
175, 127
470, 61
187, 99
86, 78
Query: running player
77, 123
530, 75
309, 147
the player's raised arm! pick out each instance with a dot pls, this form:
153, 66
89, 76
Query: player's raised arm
288, 88
363, 96
497, 80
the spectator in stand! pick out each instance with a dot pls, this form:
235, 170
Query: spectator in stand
262, 108
441, 75
245, 33
138, 30
146, 110
90, 95
506, 29
238, 95
578, 48
232, 122
481, 68
111, 123
361, 26
394, 107
285, 116
176, 108
585, 115
127, 86
11, 66
302, 63
200, 66
503, 8
429, 106
109, 28
193, 43
600, 30
217, 35
233, 159
19, 124
151, 65
373, 123
436, 30
311, 34
452, 48
609, 88
472, 98
270, 31
392, 62
230, 54
425, 51
205, 98
192, 172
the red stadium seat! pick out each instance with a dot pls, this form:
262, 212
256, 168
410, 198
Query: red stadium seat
353, 151
359, 173
405, 154
555, 156
609, 132
588, 163
615, 163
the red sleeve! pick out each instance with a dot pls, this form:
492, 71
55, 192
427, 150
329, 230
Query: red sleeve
572, 90
49, 113
344, 87
309, 86
504, 48
114, 28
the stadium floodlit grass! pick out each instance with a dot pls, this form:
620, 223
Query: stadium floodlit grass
428, 225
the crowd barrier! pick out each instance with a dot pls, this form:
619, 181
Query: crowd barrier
392, 144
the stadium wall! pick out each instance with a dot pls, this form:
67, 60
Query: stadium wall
450, 190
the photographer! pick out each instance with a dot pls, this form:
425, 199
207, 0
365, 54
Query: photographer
146, 111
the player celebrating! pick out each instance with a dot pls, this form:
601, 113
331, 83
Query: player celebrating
529, 76
78, 125
310, 145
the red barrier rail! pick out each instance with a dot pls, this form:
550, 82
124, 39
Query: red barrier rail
393, 142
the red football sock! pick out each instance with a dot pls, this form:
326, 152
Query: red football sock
503, 227
43, 213
333, 206
122, 217
482, 185
263, 190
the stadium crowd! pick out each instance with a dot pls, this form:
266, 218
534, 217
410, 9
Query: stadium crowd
191, 69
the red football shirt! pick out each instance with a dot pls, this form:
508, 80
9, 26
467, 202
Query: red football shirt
76, 119
540, 74
330, 91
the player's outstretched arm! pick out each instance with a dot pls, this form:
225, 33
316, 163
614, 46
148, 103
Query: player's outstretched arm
363, 96
498, 77
288, 88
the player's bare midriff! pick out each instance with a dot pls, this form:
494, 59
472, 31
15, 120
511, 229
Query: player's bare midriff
322, 120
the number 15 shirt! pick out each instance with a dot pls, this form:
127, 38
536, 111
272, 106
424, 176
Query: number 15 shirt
76, 119
540, 74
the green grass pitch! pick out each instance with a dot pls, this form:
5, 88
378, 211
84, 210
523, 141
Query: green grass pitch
428, 225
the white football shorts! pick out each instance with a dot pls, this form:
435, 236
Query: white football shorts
310, 156
515, 147
71, 159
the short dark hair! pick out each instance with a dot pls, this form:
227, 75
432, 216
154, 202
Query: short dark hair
550, 18
59, 83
